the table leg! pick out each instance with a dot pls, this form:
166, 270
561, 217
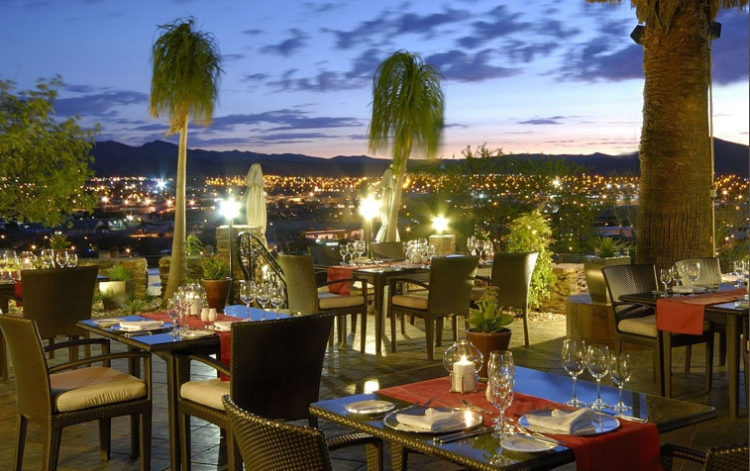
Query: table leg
732, 326
3, 358
666, 365
174, 431
379, 292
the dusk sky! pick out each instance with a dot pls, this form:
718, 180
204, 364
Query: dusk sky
557, 77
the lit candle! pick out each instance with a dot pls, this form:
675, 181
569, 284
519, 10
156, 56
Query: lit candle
464, 375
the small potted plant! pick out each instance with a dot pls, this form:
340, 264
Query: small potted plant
488, 323
216, 281
607, 251
117, 291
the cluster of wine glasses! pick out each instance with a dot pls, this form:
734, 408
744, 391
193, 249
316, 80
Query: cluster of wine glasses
419, 251
11, 262
265, 292
189, 300
8, 264
481, 247
355, 248
598, 360
740, 268
501, 373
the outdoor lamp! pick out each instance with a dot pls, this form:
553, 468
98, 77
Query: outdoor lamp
440, 224
230, 209
369, 207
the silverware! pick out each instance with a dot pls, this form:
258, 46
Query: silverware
452, 437
630, 418
522, 431
469, 405
416, 405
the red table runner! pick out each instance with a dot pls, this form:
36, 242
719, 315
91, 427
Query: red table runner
684, 314
590, 452
344, 272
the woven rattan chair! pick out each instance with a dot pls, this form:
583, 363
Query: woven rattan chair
57, 298
511, 272
448, 295
324, 256
55, 397
719, 458
387, 250
305, 296
636, 324
276, 366
272, 446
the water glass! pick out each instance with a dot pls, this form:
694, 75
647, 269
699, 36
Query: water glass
597, 362
48, 258
247, 294
72, 259
501, 374
574, 362
665, 276
61, 257
620, 371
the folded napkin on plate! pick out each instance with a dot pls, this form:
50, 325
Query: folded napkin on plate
688, 289
134, 326
570, 422
223, 326
433, 420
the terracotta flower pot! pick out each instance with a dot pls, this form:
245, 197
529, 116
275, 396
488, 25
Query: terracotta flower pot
217, 292
488, 342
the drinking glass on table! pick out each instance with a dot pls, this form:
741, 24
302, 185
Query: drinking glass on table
247, 294
263, 296
72, 259
501, 374
574, 362
173, 313
597, 362
278, 297
360, 247
61, 257
665, 276
620, 371
48, 258
344, 251
693, 272
676, 276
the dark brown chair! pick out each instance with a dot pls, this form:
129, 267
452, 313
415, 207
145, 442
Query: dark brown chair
305, 297
636, 323
387, 250
276, 366
718, 458
57, 298
448, 295
55, 397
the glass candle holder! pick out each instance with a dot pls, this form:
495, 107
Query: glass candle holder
462, 361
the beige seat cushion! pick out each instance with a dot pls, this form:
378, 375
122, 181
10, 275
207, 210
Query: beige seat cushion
645, 326
92, 387
411, 301
333, 301
207, 392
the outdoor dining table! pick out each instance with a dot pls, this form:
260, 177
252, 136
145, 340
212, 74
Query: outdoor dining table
484, 452
725, 313
162, 344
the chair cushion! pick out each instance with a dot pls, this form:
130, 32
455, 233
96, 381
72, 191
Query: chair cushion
645, 326
411, 301
333, 301
92, 387
207, 392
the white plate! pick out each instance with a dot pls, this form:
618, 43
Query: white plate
108, 322
606, 424
194, 334
471, 419
526, 444
370, 407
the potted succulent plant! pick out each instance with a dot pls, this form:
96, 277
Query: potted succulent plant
488, 323
607, 251
119, 288
216, 281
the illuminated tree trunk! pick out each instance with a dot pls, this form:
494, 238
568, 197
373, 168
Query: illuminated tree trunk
178, 258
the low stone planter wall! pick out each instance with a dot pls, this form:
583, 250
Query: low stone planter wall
138, 267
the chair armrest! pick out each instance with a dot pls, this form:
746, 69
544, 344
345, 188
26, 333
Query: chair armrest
102, 358
670, 451
484, 279
333, 282
394, 281
183, 365
74, 343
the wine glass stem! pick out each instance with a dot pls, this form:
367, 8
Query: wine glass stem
598, 397
619, 394
247, 305
575, 388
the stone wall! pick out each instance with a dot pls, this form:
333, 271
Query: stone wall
138, 267
570, 281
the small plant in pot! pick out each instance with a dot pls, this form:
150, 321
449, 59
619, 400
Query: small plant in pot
607, 252
216, 281
119, 289
488, 326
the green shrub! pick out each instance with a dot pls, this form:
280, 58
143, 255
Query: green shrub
215, 268
531, 232
118, 272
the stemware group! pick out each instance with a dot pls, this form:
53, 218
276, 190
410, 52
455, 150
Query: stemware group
597, 359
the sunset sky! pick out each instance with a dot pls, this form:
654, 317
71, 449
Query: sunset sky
533, 76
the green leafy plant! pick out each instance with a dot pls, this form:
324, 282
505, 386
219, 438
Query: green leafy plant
531, 232
488, 316
118, 272
194, 245
609, 246
59, 241
215, 268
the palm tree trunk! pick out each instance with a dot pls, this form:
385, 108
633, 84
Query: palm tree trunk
390, 235
674, 215
178, 258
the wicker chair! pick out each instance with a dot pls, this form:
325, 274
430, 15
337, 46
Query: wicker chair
272, 446
719, 458
448, 295
511, 272
306, 298
387, 250
276, 366
636, 324
57, 298
55, 398
324, 256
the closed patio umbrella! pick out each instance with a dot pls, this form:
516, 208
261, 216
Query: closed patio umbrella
255, 199
387, 186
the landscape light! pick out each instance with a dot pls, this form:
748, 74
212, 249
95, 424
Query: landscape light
440, 224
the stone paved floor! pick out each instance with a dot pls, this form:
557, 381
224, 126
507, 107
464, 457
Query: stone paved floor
347, 372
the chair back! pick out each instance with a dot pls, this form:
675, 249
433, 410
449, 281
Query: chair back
710, 271
301, 288
277, 364
511, 272
629, 279
728, 457
57, 298
451, 280
33, 396
273, 446
388, 250
325, 255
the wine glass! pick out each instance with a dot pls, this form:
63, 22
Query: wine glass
665, 276
574, 362
360, 247
352, 251
72, 259
676, 276
173, 313
263, 296
471, 244
597, 362
693, 272
501, 375
48, 258
344, 251
4, 262
278, 297
247, 294
620, 370
61, 257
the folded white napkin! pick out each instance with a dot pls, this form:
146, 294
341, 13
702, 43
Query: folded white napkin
433, 420
134, 326
564, 421
682, 289
223, 326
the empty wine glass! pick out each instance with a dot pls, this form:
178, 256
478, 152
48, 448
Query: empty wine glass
471, 245
360, 247
278, 297
597, 362
665, 276
620, 370
574, 362
61, 257
676, 276
344, 251
263, 296
48, 258
693, 272
173, 313
247, 294
72, 259
501, 375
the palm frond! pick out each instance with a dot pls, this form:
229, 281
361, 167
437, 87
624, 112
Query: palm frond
185, 78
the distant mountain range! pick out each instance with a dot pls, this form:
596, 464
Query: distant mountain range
159, 159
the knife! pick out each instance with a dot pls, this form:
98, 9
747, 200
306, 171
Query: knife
452, 437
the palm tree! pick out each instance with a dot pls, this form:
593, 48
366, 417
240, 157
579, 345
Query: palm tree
675, 209
407, 109
184, 86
